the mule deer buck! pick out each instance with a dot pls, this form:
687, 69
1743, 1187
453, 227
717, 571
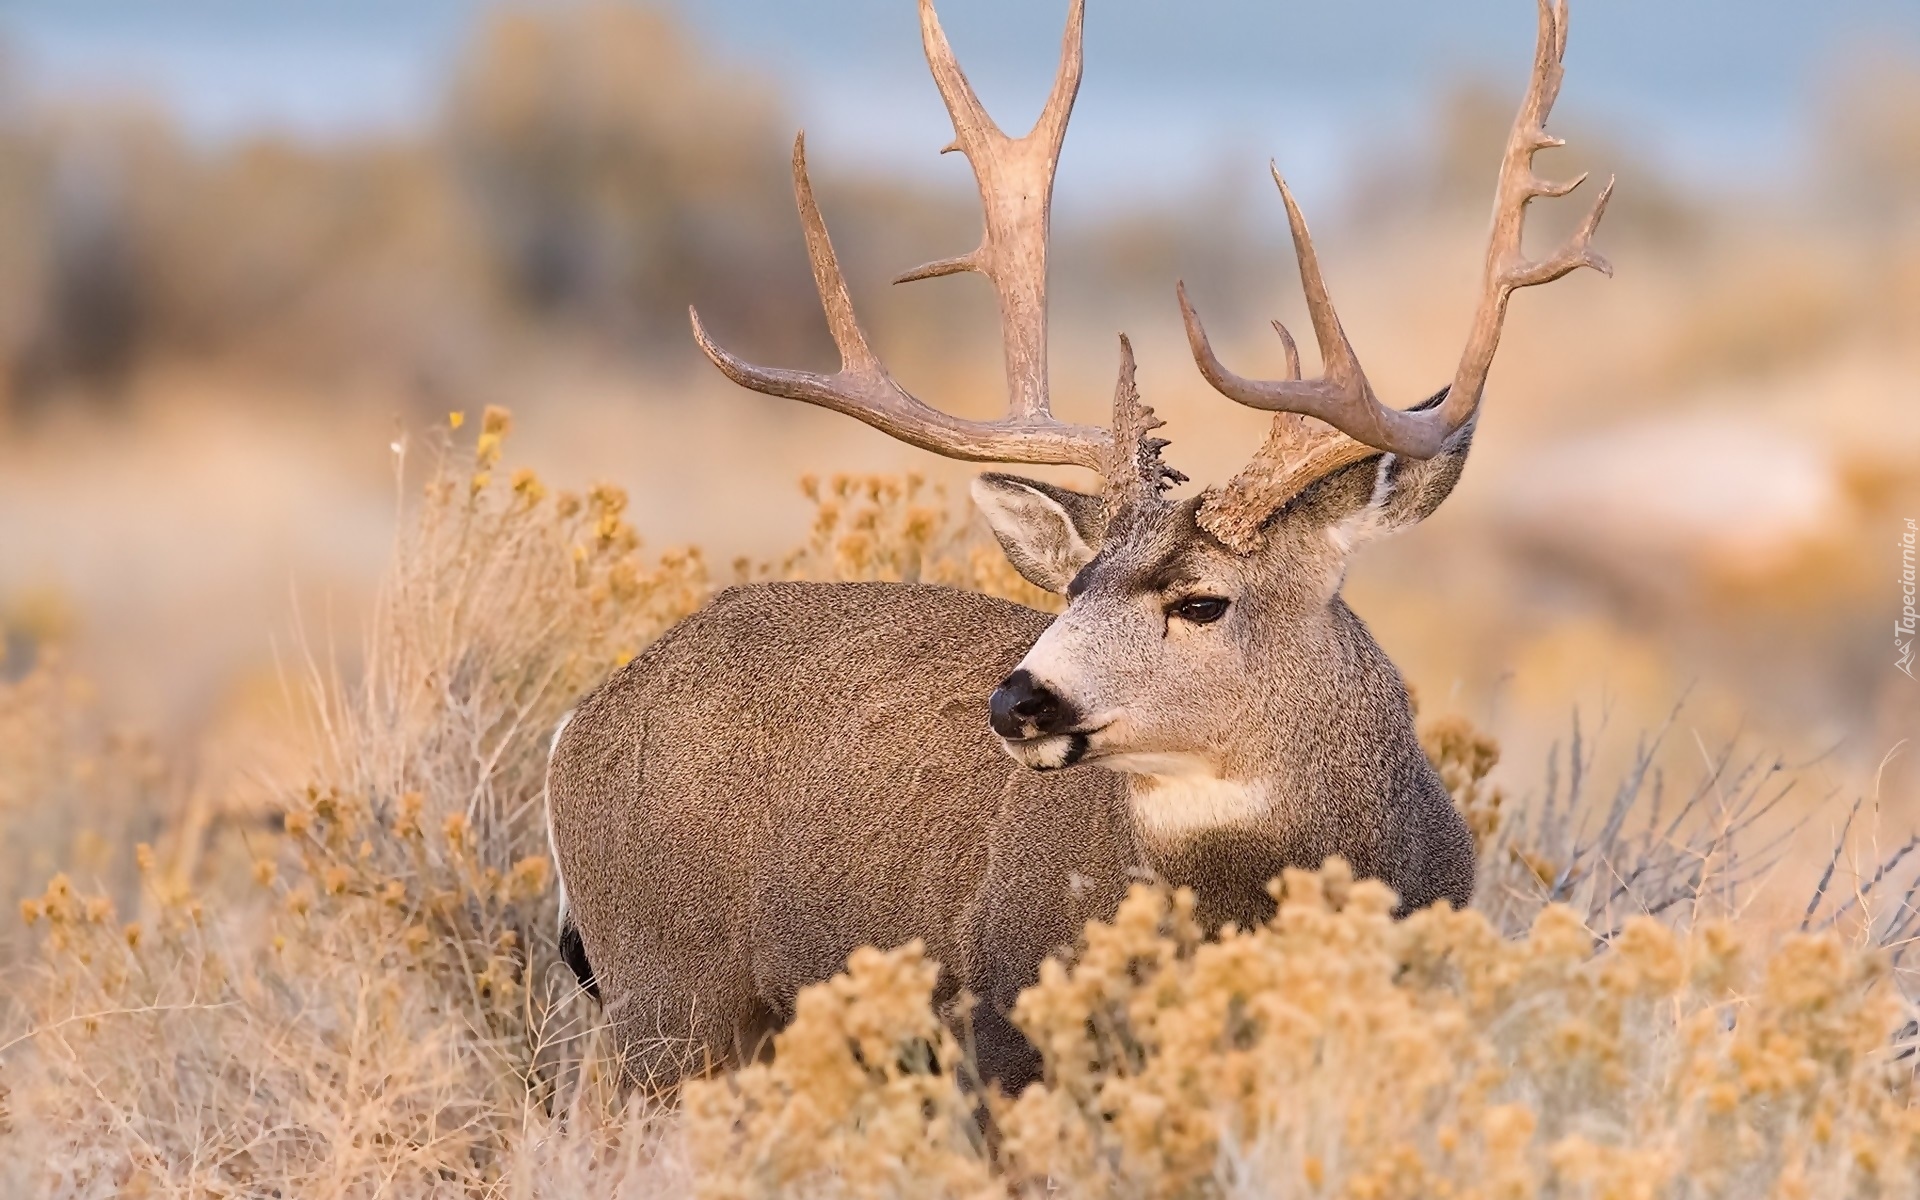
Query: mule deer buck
800, 769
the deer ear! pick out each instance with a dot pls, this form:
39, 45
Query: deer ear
1385, 494
1048, 532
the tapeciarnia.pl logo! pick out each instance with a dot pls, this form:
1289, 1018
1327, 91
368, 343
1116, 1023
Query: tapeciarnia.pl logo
1903, 629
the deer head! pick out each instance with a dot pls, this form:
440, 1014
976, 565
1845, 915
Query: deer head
1202, 637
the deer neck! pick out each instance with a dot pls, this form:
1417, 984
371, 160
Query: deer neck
1281, 775
1223, 838
1225, 834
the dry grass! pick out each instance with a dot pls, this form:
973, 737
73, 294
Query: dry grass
361, 998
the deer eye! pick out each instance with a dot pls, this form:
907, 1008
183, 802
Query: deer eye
1199, 610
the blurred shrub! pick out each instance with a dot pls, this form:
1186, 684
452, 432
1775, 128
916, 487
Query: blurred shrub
138, 246
1870, 141
76, 793
590, 175
592, 171
1451, 170
898, 530
619, 177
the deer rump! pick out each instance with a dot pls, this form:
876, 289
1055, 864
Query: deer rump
718, 854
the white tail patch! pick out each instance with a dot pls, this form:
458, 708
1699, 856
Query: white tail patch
553, 852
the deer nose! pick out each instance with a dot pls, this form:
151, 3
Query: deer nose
1023, 707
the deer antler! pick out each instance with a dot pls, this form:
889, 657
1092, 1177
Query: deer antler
1297, 451
1133, 469
1015, 176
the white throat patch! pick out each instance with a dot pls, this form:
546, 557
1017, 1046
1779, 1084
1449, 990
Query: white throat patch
1174, 796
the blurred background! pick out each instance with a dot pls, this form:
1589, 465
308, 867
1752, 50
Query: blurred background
245, 247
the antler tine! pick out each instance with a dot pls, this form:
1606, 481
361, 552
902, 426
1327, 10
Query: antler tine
1015, 177
1341, 397
1507, 268
863, 389
1134, 469
1292, 348
972, 125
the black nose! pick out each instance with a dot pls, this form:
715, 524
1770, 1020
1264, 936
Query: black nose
1023, 707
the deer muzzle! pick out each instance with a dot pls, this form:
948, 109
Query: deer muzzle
1038, 727
1022, 707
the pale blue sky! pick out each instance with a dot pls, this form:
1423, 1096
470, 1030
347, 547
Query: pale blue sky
1173, 92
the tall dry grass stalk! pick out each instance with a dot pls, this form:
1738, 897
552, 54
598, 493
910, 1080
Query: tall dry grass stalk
504, 604
377, 1009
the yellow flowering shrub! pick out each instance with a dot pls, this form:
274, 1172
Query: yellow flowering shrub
377, 1006
900, 530
504, 604
1336, 1052
859, 1097
1465, 757
76, 793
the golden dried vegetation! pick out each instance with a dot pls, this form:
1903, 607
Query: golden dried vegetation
357, 993
1338, 1053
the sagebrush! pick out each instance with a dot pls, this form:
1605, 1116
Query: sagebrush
357, 993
